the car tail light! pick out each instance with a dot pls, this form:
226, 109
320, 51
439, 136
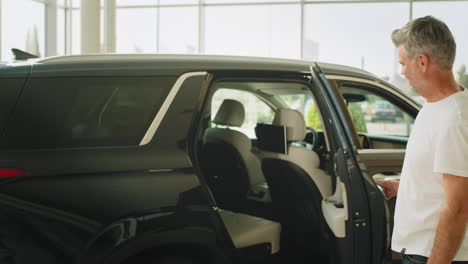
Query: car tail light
11, 173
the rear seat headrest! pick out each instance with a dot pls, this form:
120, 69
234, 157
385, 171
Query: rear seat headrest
230, 113
293, 121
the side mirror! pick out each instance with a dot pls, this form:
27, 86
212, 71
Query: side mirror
354, 98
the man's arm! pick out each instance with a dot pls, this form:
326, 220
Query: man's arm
453, 221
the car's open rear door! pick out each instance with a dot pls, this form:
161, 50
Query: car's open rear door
356, 212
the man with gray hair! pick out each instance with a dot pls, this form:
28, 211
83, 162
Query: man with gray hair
431, 215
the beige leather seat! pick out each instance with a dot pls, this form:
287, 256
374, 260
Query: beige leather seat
303, 157
297, 185
229, 165
246, 230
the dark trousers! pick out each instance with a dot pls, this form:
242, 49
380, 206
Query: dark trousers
417, 259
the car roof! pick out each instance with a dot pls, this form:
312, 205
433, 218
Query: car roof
337, 69
209, 62
189, 62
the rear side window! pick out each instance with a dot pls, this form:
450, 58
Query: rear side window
9, 91
85, 112
256, 111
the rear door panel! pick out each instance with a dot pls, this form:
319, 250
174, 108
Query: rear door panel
381, 142
366, 224
382, 156
12, 80
384, 161
71, 194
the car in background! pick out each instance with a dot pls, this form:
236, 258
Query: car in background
144, 159
383, 111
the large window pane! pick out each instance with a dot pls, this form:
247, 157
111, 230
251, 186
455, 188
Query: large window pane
23, 27
76, 31
75, 3
177, 2
135, 2
271, 31
136, 30
346, 0
247, 1
102, 29
454, 15
356, 35
61, 31
178, 30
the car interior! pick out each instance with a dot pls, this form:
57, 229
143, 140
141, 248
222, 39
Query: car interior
268, 169
382, 141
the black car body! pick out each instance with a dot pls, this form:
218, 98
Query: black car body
101, 160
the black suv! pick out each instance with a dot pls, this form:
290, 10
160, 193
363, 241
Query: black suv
191, 159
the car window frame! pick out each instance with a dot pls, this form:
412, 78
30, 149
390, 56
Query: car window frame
303, 78
382, 103
377, 87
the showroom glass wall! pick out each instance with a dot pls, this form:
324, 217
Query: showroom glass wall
355, 33
22, 26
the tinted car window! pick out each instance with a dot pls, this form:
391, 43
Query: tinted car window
9, 91
85, 112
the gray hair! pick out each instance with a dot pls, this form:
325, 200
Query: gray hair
430, 36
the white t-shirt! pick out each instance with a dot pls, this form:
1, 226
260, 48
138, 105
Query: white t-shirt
438, 144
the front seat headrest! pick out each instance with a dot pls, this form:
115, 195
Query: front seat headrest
293, 121
230, 113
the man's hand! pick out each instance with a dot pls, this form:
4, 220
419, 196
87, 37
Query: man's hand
390, 188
